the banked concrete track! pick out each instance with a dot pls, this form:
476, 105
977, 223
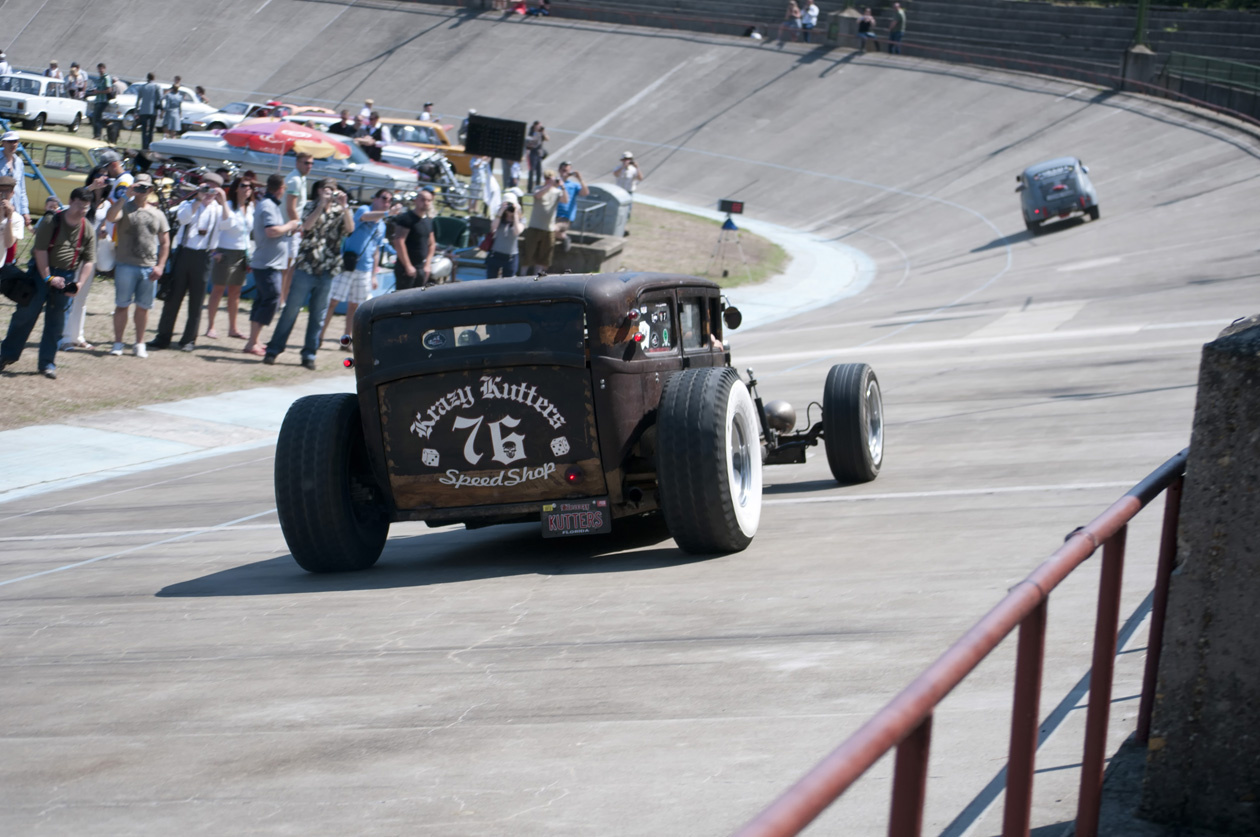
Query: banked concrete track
189, 679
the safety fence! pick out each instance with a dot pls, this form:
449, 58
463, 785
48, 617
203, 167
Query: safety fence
905, 723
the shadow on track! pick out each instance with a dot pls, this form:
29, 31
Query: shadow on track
454, 556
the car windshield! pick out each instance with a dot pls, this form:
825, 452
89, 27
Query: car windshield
413, 133
134, 89
14, 84
95, 154
235, 108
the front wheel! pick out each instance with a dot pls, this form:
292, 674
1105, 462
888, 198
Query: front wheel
853, 423
709, 460
112, 130
129, 120
37, 124
76, 123
330, 508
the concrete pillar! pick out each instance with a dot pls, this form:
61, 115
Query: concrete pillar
1203, 761
1139, 69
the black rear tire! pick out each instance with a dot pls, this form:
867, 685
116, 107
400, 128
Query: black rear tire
853, 423
76, 123
37, 124
1094, 213
709, 460
330, 507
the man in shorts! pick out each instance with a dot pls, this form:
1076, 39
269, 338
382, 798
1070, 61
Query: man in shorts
144, 244
354, 286
540, 234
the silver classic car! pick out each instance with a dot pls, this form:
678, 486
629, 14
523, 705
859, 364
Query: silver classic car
1057, 188
358, 175
37, 101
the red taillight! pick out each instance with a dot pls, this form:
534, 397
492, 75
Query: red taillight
1036, 212
1082, 201
573, 474
633, 315
348, 362
346, 339
638, 337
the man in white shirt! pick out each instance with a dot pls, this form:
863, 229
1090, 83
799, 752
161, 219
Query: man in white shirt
199, 220
5, 67
11, 165
12, 225
296, 193
426, 115
628, 177
809, 18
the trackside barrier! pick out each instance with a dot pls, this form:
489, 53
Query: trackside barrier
906, 721
1101, 75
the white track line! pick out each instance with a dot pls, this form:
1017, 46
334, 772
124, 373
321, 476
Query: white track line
139, 548
951, 492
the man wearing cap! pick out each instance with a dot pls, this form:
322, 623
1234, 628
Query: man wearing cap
566, 214
148, 100
65, 248
628, 177
270, 258
365, 112
102, 90
53, 70
199, 217
5, 67
11, 165
144, 243
12, 224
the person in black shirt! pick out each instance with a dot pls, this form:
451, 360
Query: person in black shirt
345, 127
413, 240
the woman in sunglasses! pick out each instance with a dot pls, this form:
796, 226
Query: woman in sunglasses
228, 273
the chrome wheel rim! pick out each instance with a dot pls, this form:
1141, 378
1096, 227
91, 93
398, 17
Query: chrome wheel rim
740, 459
874, 421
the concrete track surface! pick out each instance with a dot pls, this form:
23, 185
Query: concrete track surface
186, 677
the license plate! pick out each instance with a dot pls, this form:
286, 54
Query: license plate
576, 517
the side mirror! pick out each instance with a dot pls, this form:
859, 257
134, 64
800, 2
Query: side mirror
732, 317
1019, 188
1084, 168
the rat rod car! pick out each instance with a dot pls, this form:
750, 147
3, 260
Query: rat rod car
568, 400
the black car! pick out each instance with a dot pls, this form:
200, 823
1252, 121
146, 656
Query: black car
568, 401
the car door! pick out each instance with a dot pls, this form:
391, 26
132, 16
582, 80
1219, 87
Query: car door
59, 109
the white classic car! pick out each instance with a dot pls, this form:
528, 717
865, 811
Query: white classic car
229, 116
123, 107
38, 101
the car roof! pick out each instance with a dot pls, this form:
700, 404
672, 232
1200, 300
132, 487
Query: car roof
611, 292
398, 120
48, 138
1051, 164
35, 76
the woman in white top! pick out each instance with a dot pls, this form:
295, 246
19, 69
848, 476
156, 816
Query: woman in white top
505, 255
231, 257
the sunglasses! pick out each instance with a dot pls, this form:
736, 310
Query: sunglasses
140, 189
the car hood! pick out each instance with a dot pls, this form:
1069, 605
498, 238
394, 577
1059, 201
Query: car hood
213, 147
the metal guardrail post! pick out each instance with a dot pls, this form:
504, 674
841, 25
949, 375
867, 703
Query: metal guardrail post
1159, 608
1100, 682
1025, 720
910, 782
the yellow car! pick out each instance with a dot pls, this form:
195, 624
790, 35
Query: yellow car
428, 135
65, 161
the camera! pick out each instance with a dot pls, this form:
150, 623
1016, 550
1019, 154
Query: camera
72, 287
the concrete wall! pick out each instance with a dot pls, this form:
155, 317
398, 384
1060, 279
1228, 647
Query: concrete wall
1203, 765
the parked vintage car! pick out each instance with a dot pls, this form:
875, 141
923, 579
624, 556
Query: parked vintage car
36, 101
228, 116
358, 175
122, 108
64, 160
408, 133
1057, 188
570, 402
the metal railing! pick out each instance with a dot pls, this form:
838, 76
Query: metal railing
906, 722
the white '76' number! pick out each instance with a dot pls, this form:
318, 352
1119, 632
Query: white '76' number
507, 449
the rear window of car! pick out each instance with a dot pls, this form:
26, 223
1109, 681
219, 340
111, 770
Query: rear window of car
13, 84
1056, 174
413, 133
475, 334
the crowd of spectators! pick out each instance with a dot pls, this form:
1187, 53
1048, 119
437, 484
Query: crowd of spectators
303, 244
